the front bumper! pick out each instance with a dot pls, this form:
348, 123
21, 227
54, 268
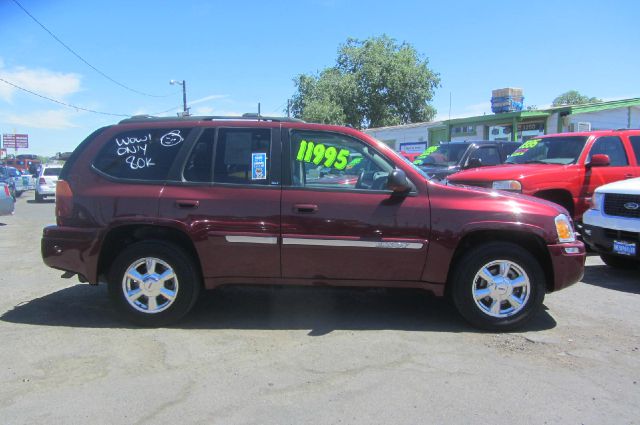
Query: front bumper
71, 249
567, 260
600, 239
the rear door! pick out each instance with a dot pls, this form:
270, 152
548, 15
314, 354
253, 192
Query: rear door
338, 219
227, 197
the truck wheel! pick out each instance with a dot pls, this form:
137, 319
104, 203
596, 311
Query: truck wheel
19, 193
39, 197
619, 262
498, 286
153, 283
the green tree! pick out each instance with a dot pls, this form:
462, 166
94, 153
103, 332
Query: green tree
573, 97
374, 83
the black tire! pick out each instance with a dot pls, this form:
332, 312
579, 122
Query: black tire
187, 286
19, 193
619, 262
473, 262
38, 197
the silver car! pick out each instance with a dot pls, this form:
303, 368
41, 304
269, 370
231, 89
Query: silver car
47, 178
7, 202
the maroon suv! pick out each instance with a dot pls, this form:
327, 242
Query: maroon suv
161, 208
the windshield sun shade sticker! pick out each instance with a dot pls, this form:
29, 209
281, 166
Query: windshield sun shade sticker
529, 144
259, 166
426, 153
316, 153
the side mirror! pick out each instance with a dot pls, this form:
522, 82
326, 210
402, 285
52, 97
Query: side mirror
397, 181
474, 163
599, 160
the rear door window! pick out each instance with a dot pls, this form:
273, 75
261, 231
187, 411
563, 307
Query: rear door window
141, 154
243, 156
635, 144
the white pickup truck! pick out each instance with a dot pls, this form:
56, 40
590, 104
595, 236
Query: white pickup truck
612, 225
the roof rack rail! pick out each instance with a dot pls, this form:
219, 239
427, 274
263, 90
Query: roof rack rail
248, 117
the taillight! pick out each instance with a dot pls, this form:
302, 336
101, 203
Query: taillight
42, 181
64, 201
6, 191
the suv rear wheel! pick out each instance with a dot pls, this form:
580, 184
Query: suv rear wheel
498, 286
153, 283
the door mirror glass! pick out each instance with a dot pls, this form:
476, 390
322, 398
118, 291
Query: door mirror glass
474, 163
599, 160
397, 181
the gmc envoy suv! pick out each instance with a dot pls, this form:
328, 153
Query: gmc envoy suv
161, 208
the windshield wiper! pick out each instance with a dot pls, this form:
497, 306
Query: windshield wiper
535, 161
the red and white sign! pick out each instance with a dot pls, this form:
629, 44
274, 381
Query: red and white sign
15, 141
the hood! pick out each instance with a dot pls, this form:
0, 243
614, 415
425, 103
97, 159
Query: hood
623, 187
506, 172
440, 172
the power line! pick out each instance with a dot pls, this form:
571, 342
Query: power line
83, 60
62, 103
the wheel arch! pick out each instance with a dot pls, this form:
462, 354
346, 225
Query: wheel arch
122, 236
526, 240
559, 196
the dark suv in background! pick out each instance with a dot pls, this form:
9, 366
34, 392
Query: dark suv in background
161, 208
447, 158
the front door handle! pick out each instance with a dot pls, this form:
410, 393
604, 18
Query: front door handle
305, 208
629, 176
187, 203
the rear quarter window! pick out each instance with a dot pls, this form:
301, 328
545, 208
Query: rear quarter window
141, 154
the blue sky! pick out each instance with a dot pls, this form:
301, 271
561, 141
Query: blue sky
236, 54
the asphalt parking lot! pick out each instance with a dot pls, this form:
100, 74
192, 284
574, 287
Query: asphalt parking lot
277, 355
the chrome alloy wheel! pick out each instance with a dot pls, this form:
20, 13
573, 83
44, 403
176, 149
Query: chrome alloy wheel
501, 288
150, 285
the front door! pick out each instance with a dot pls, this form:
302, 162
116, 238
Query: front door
338, 219
619, 167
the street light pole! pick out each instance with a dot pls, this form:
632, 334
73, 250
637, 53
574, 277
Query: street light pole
183, 83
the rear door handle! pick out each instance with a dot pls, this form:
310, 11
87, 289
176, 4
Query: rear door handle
187, 203
628, 176
305, 208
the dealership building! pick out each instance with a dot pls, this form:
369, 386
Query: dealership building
515, 126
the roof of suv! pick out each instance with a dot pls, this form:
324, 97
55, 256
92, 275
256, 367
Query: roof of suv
249, 117
634, 131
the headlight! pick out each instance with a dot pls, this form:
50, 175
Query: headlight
564, 229
596, 201
512, 185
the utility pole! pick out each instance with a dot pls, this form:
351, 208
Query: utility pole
183, 83
288, 108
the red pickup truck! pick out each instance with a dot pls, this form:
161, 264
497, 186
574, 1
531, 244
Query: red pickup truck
563, 168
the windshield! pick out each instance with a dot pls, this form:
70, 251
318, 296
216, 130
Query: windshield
442, 155
415, 167
52, 171
549, 150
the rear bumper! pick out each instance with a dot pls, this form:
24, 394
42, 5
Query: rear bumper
71, 249
568, 266
45, 190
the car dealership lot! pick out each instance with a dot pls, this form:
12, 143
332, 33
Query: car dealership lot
307, 355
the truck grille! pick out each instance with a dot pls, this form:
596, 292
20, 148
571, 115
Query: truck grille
622, 235
614, 204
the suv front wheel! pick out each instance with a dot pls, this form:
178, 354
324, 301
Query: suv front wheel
153, 283
498, 286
